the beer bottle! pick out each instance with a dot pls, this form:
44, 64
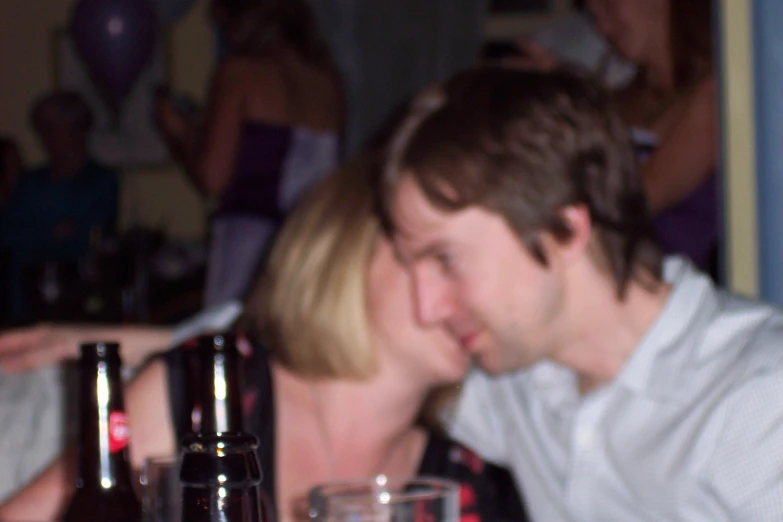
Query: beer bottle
221, 479
221, 402
220, 472
104, 492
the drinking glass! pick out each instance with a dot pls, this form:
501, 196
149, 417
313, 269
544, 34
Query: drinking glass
161, 498
383, 499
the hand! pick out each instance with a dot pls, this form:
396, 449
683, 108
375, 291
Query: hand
42, 345
533, 56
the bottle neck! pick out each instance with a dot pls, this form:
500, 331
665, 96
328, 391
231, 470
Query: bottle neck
221, 410
104, 432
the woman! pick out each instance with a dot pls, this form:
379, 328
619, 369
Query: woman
55, 209
345, 377
273, 125
672, 104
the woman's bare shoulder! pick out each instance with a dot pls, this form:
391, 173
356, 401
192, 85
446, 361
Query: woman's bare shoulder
254, 81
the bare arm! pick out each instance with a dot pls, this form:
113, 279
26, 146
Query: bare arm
208, 158
27, 348
146, 401
688, 154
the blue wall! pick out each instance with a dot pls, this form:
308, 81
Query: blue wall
768, 71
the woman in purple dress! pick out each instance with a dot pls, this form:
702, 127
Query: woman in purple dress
672, 106
273, 126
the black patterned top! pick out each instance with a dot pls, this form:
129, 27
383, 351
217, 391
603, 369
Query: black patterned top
487, 492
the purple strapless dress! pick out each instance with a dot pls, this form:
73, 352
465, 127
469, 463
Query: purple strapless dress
693, 226
275, 164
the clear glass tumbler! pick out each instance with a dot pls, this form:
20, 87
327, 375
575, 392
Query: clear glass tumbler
384, 499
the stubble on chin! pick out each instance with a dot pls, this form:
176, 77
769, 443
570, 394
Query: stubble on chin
507, 358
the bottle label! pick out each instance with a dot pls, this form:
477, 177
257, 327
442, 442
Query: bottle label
119, 431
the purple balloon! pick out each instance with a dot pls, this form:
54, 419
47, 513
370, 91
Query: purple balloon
116, 40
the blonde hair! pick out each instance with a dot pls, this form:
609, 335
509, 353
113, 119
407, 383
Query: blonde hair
310, 306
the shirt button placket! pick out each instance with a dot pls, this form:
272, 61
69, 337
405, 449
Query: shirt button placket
585, 462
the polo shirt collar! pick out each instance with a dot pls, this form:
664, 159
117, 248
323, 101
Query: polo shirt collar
658, 365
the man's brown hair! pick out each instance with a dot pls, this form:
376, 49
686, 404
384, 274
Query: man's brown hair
525, 144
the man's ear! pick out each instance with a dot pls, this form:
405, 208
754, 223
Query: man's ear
577, 219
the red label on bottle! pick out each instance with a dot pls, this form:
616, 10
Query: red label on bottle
119, 431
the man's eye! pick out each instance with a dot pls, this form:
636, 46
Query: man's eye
445, 261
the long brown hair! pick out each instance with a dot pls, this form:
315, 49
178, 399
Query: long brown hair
690, 29
261, 27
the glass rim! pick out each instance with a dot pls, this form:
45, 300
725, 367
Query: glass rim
381, 484
155, 463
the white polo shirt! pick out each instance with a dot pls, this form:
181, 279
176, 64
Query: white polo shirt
690, 430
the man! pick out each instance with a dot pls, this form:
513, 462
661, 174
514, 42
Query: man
54, 211
617, 385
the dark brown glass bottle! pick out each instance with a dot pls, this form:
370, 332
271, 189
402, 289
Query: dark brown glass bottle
221, 401
104, 492
221, 479
220, 472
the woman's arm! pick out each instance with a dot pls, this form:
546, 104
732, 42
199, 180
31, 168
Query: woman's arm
147, 405
149, 412
688, 154
27, 348
208, 158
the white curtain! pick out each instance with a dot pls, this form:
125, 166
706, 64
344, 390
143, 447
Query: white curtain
388, 50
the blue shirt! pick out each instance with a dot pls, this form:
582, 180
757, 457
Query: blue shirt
50, 219
41, 203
